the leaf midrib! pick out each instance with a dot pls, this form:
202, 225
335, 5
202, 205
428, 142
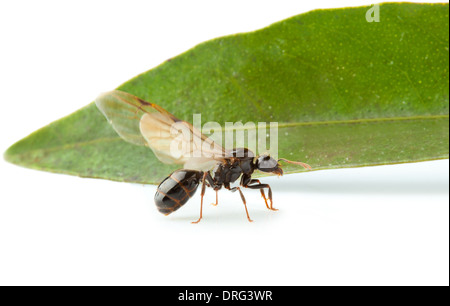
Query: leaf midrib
280, 125
352, 121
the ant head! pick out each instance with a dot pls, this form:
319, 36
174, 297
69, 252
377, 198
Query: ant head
265, 163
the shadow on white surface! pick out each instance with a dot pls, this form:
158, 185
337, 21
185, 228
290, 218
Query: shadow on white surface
419, 178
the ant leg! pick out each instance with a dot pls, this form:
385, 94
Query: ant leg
243, 200
210, 182
202, 194
264, 197
263, 194
261, 188
217, 199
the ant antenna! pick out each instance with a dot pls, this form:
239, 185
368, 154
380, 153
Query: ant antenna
306, 166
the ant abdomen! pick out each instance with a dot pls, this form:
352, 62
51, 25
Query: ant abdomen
176, 189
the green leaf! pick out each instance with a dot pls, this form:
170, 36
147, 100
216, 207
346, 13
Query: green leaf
346, 93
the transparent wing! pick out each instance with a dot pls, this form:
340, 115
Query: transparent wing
173, 141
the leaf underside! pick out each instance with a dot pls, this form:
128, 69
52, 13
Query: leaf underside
345, 92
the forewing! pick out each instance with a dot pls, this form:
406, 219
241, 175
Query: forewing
173, 141
178, 142
167, 144
124, 112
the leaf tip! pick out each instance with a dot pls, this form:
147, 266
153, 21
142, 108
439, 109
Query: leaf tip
9, 155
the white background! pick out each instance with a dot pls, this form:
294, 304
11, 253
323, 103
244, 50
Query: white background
381, 225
